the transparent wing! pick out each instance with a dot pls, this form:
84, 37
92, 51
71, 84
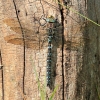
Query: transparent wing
28, 42
32, 38
24, 27
11, 22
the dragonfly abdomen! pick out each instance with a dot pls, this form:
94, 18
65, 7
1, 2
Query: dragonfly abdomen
49, 60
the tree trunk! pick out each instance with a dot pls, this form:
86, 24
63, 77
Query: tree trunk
75, 55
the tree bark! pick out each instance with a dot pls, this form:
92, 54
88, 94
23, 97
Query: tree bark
76, 58
81, 53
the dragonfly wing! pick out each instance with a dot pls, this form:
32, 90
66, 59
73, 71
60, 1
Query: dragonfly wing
25, 31
18, 40
14, 39
11, 22
16, 29
25, 28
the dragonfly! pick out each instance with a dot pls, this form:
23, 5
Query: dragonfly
36, 40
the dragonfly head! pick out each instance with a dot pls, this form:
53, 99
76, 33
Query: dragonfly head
51, 19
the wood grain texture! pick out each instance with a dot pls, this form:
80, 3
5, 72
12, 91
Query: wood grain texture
76, 62
19, 76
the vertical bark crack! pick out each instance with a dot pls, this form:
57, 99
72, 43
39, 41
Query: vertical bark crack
62, 22
23, 43
1, 68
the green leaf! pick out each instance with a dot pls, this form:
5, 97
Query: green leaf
42, 90
53, 93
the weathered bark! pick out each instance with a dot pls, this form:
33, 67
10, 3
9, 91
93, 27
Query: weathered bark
76, 62
81, 53
19, 78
